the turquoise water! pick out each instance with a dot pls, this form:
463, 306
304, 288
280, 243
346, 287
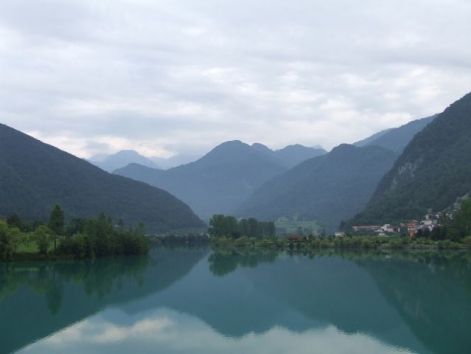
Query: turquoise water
193, 301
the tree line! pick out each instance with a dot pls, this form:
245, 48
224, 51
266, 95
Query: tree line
78, 238
229, 226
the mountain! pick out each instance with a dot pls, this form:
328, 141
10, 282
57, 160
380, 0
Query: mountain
293, 155
174, 161
218, 182
123, 158
120, 159
34, 176
371, 139
432, 172
396, 139
328, 188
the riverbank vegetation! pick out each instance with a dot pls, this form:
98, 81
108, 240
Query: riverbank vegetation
79, 238
454, 233
310, 243
229, 226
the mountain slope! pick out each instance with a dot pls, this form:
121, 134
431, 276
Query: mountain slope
432, 172
34, 176
120, 159
328, 188
396, 139
218, 182
369, 140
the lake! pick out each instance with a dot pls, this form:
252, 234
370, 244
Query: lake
197, 301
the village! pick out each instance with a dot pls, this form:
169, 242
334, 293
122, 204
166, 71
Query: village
412, 228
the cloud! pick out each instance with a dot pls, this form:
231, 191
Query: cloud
172, 77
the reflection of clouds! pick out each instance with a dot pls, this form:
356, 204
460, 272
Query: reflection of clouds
102, 332
171, 332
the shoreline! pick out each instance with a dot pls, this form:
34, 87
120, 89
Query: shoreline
367, 243
305, 245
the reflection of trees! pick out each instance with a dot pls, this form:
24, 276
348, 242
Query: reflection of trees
222, 263
432, 294
48, 279
419, 301
38, 299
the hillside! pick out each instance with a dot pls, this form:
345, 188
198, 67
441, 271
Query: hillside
396, 139
433, 171
34, 176
218, 182
372, 138
328, 188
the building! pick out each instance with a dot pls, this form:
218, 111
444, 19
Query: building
412, 228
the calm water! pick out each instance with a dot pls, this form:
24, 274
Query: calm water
192, 301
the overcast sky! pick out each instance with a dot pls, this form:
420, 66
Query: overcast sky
180, 76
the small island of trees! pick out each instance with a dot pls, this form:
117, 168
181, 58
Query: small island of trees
79, 238
229, 226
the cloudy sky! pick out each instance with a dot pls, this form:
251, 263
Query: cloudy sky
179, 76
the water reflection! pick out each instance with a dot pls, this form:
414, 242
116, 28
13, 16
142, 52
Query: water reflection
190, 301
39, 299
166, 331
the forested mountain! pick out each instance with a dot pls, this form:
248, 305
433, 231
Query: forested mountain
218, 182
35, 176
328, 188
120, 159
433, 171
396, 139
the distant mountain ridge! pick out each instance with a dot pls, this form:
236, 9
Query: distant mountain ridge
328, 188
293, 155
120, 159
396, 139
289, 156
218, 182
432, 172
34, 176
123, 158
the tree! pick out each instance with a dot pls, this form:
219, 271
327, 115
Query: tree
15, 221
56, 223
268, 229
75, 226
56, 220
6, 247
253, 227
460, 225
42, 237
221, 225
16, 238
